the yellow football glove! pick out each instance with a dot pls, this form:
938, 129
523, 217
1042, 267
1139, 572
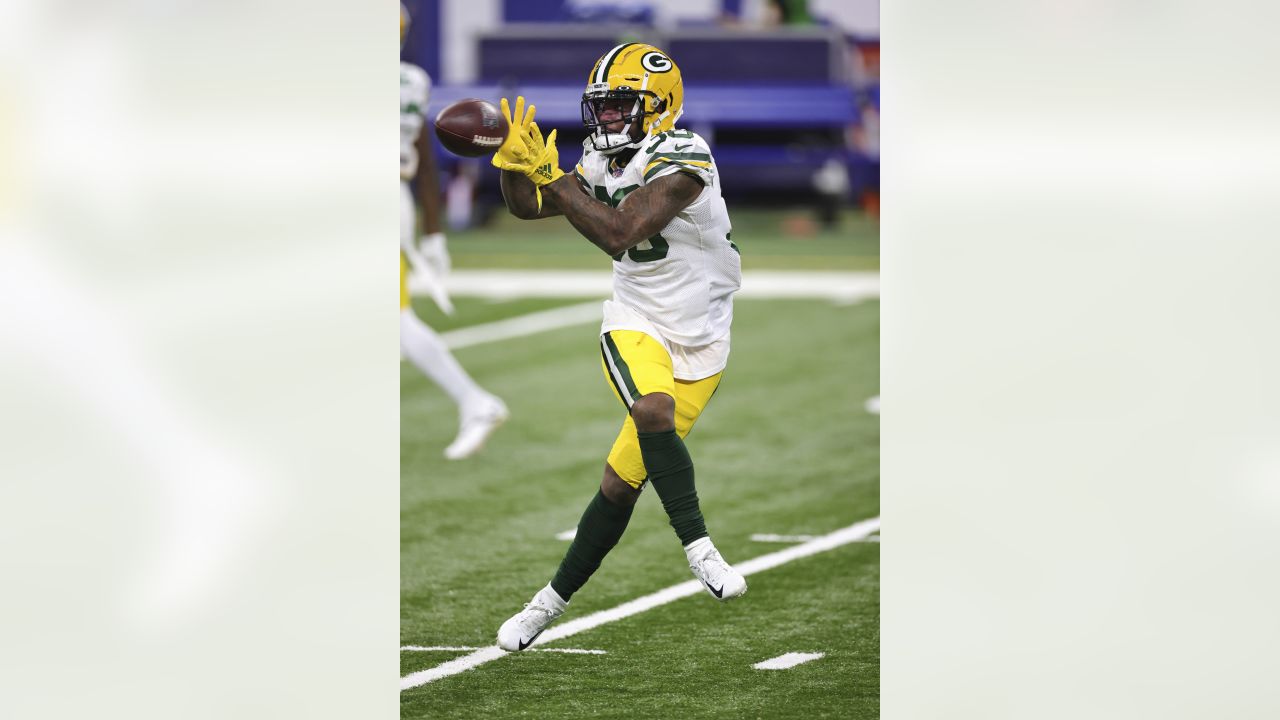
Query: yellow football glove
513, 151
542, 163
524, 151
544, 159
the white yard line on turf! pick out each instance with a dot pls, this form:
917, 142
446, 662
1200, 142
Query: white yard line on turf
842, 287
837, 286
788, 660
569, 534
770, 537
844, 536
453, 667
461, 648
522, 325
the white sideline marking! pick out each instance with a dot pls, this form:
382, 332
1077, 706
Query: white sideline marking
453, 667
789, 660
873, 405
843, 536
569, 534
460, 648
770, 537
523, 325
844, 287
841, 287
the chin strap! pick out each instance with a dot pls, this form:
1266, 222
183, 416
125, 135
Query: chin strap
620, 148
615, 150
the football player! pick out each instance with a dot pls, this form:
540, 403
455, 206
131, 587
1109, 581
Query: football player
648, 195
480, 412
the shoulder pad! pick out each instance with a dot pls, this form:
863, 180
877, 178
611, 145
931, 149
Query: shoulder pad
678, 151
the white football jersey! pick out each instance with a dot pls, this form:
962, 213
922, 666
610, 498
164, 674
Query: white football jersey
681, 280
415, 89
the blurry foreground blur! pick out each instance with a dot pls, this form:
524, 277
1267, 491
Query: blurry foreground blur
187, 279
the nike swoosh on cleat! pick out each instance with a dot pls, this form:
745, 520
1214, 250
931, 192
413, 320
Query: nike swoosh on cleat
718, 592
526, 643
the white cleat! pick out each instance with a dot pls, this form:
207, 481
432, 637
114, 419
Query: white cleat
524, 627
477, 426
717, 576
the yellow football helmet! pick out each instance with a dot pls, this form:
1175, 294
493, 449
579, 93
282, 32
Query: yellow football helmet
642, 78
404, 23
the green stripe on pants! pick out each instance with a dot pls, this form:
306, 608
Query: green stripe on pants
623, 370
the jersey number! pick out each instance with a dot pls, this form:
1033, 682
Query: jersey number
657, 251
678, 134
658, 245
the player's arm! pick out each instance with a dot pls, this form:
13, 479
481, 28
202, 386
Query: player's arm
428, 185
522, 200
645, 212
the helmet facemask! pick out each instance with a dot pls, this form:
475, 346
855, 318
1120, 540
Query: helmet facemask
635, 108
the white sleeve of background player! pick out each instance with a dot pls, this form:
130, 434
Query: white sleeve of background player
415, 87
679, 151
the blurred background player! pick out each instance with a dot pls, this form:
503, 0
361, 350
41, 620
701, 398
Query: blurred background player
479, 412
648, 195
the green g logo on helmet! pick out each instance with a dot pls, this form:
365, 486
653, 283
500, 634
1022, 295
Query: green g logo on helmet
656, 62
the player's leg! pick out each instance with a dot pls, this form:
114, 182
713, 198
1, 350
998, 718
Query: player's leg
637, 368
648, 366
427, 351
705, 561
651, 446
599, 529
480, 412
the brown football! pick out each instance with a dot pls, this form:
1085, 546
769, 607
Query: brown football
471, 128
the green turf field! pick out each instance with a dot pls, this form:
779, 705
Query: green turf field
786, 447
511, 243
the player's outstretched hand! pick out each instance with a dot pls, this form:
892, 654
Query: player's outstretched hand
525, 151
513, 154
544, 163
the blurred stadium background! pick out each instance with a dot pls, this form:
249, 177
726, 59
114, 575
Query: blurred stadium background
786, 92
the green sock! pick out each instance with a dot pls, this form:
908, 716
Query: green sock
599, 529
671, 473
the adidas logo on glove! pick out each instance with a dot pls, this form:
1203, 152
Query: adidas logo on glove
545, 171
